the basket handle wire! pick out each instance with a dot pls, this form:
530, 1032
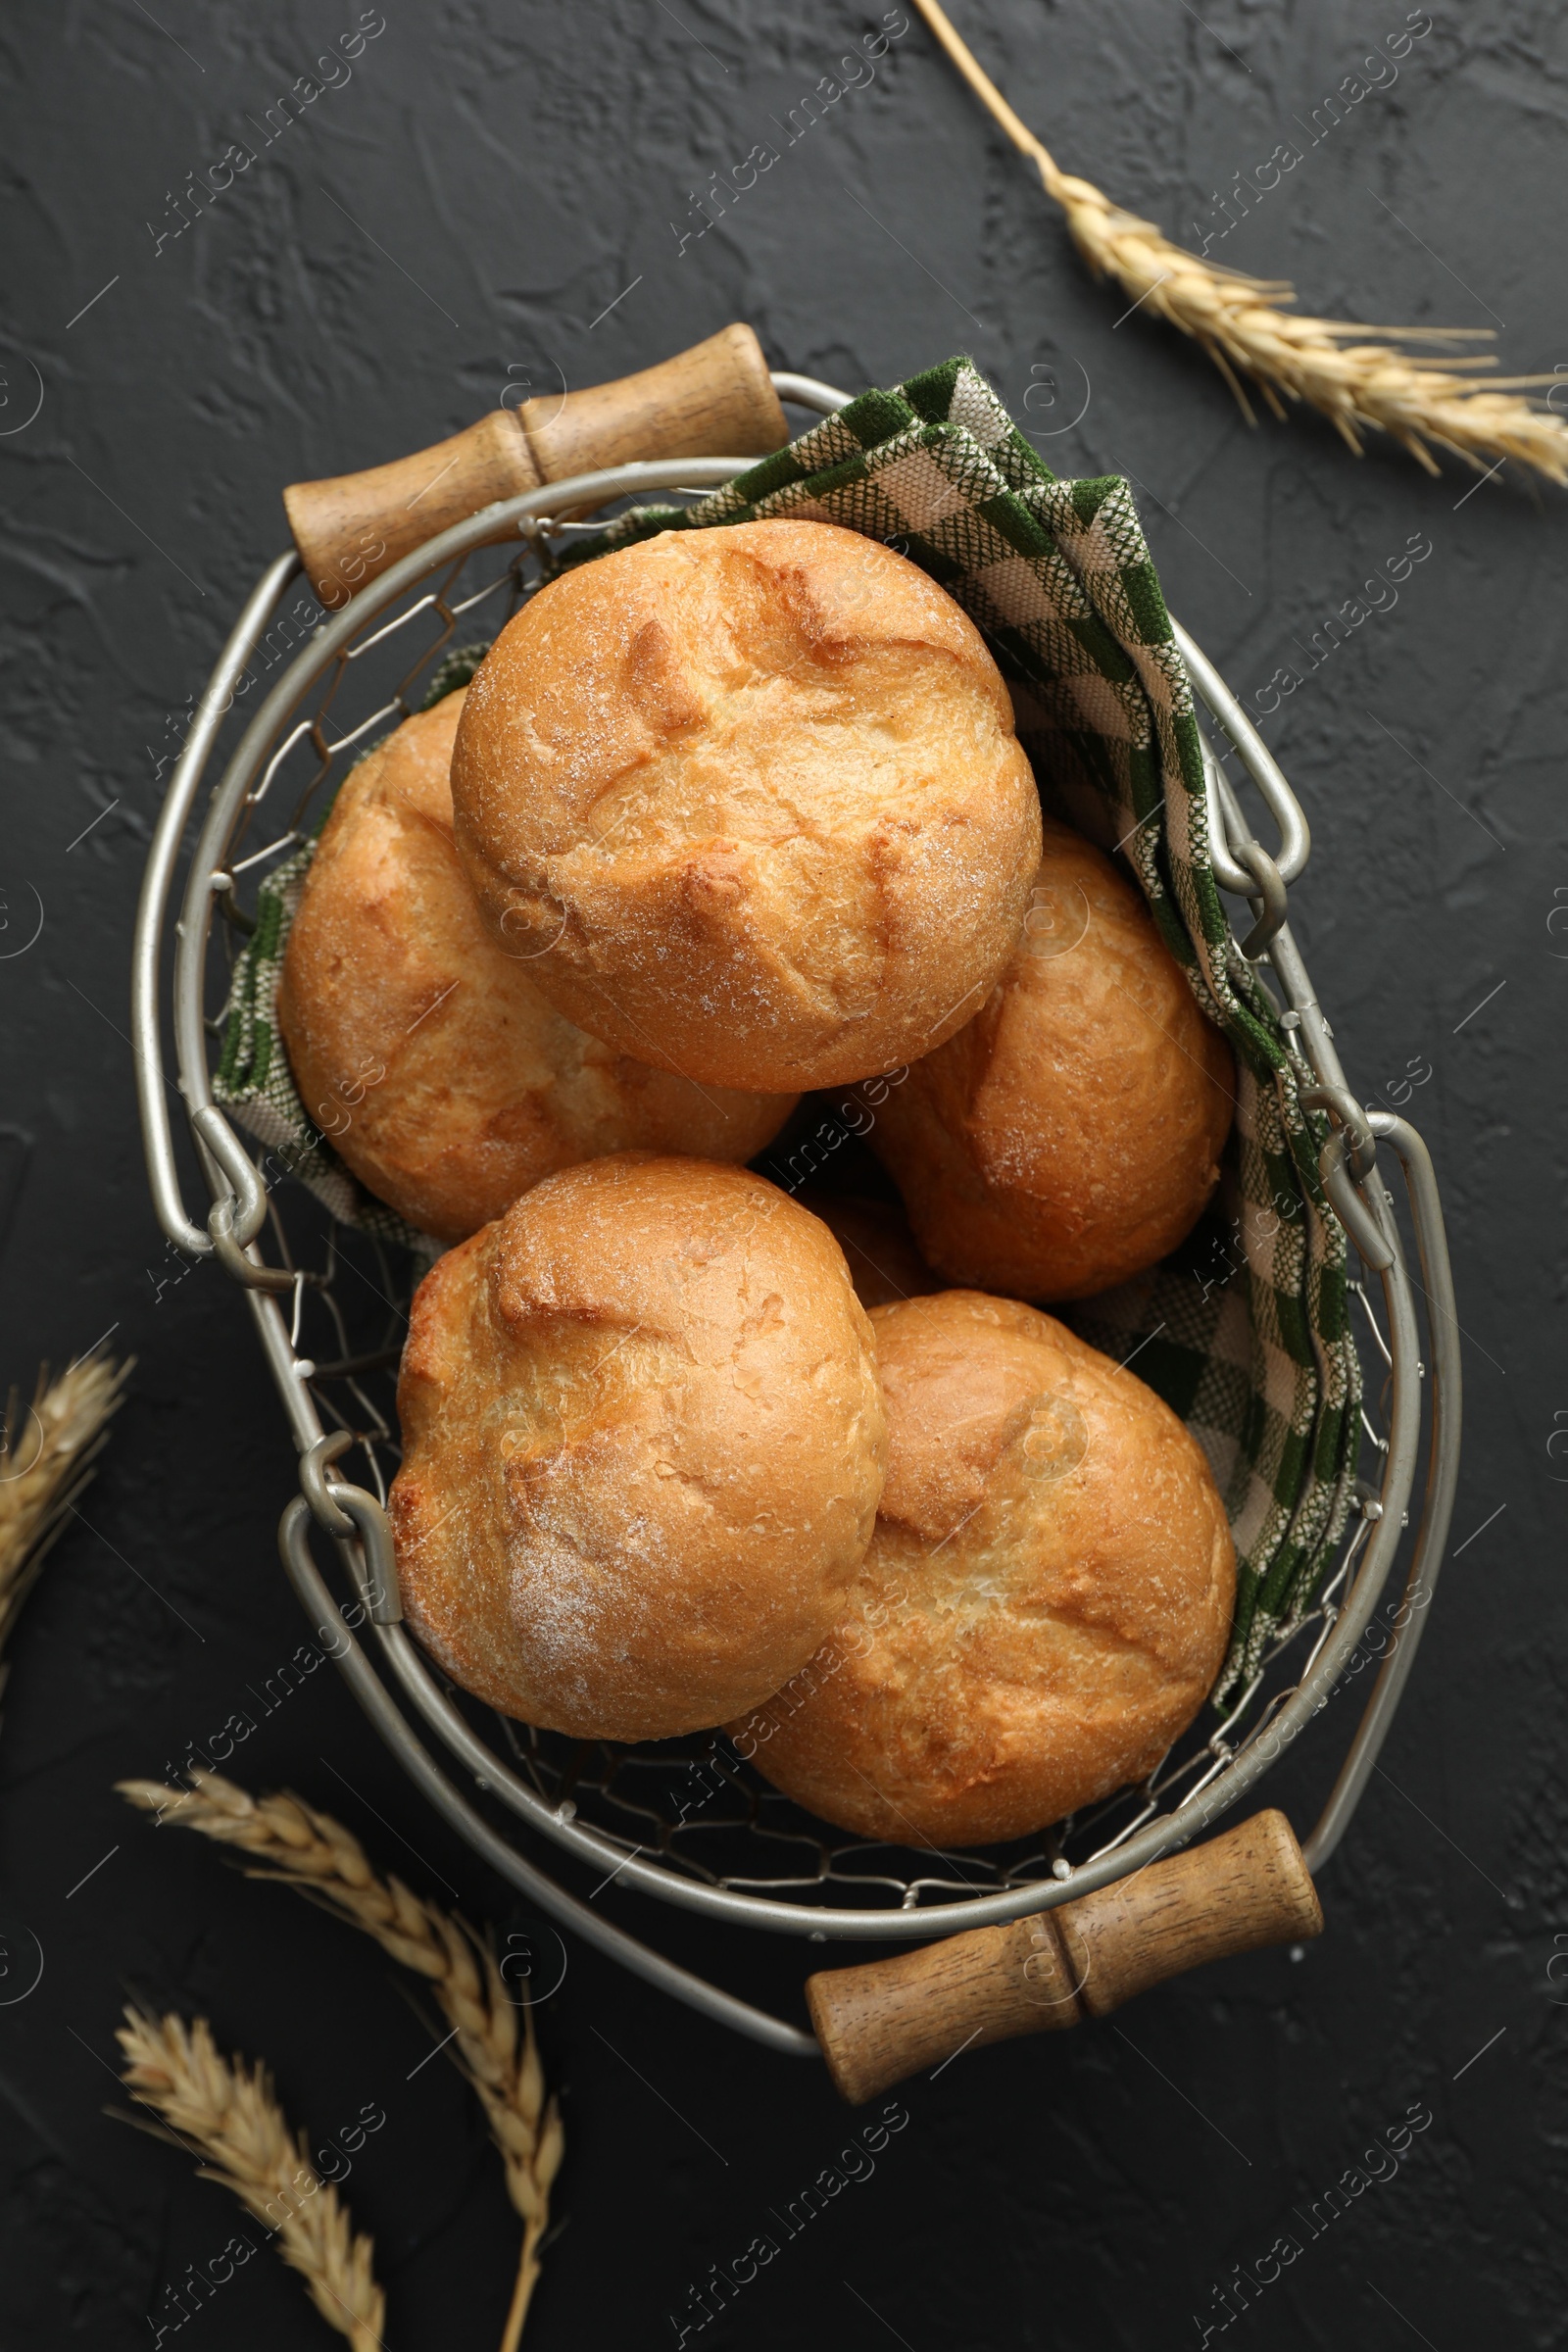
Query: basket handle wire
1296, 839
156, 883
1443, 1477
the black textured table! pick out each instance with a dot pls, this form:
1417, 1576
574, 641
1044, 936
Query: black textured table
496, 195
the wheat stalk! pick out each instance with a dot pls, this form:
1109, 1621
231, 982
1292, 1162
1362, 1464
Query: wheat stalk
45, 1463
215, 2108
310, 1850
1239, 322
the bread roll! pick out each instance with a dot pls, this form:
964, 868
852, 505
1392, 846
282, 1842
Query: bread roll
751, 797
877, 1244
1045, 1602
643, 1446
426, 1053
1069, 1136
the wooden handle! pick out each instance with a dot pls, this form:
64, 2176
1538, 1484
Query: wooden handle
1245, 1890
712, 400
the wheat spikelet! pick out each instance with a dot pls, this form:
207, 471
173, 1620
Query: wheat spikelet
44, 1465
217, 2109
316, 1854
1358, 384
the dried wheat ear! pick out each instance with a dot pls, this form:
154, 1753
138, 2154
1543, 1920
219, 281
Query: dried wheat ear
46, 1458
229, 2116
1360, 384
314, 1853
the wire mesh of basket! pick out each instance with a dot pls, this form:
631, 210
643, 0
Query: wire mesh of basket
691, 1821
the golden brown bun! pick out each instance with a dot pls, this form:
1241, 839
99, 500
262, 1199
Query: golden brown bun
877, 1244
643, 1446
1044, 1604
426, 1051
1069, 1137
752, 796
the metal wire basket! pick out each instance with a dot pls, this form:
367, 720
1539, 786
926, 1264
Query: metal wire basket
688, 1821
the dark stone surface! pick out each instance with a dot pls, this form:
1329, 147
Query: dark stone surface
485, 184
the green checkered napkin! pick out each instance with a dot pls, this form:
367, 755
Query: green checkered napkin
1058, 579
